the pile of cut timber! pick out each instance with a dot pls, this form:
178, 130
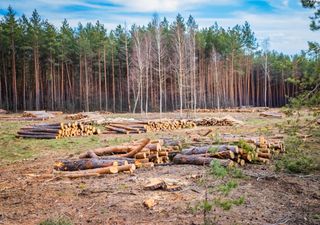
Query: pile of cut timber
56, 130
92, 118
213, 121
241, 109
2, 111
148, 126
154, 152
126, 157
231, 155
38, 114
76, 116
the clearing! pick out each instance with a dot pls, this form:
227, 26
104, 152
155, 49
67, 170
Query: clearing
254, 194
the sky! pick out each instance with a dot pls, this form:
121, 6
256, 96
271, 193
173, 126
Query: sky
284, 22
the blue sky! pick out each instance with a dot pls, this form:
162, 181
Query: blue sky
284, 22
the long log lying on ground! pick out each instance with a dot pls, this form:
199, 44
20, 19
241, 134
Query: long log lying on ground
37, 136
107, 151
83, 164
128, 151
210, 148
199, 160
89, 172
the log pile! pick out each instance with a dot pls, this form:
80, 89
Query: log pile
92, 118
213, 121
154, 152
228, 110
2, 111
146, 153
148, 126
38, 114
114, 159
56, 130
245, 151
77, 116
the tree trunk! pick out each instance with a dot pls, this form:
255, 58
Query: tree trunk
87, 82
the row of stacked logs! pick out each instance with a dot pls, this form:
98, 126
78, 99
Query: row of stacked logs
56, 130
245, 151
129, 156
76, 116
242, 110
148, 126
146, 153
213, 121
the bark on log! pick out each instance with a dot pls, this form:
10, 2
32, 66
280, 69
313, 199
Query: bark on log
103, 170
83, 164
38, 136
199, 160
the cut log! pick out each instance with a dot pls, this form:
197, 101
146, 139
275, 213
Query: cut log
83, 164
223, 155
131, 154
107, 150
264, 155
119, 130
37, 136
140, 155
199, 160
128, 167
104, 170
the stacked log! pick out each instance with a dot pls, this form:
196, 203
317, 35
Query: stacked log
120, 159
213, 121
38, 114
229, 110
56, 130
246, 151
92, 118
154, 152
147, 126
76, 116
2, 111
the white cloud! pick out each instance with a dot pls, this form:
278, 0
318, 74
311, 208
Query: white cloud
167, 5
287, 33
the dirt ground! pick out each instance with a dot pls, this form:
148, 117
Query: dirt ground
269, 197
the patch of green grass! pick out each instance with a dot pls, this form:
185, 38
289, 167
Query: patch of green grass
15, 149
213, 149
245, 146
119, 140
297, 158
217, 169
226, 188
236, 173
56, 221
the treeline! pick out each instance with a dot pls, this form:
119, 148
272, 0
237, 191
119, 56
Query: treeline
159, 67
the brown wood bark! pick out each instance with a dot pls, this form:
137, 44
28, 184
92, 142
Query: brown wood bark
83, 164
199, 160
